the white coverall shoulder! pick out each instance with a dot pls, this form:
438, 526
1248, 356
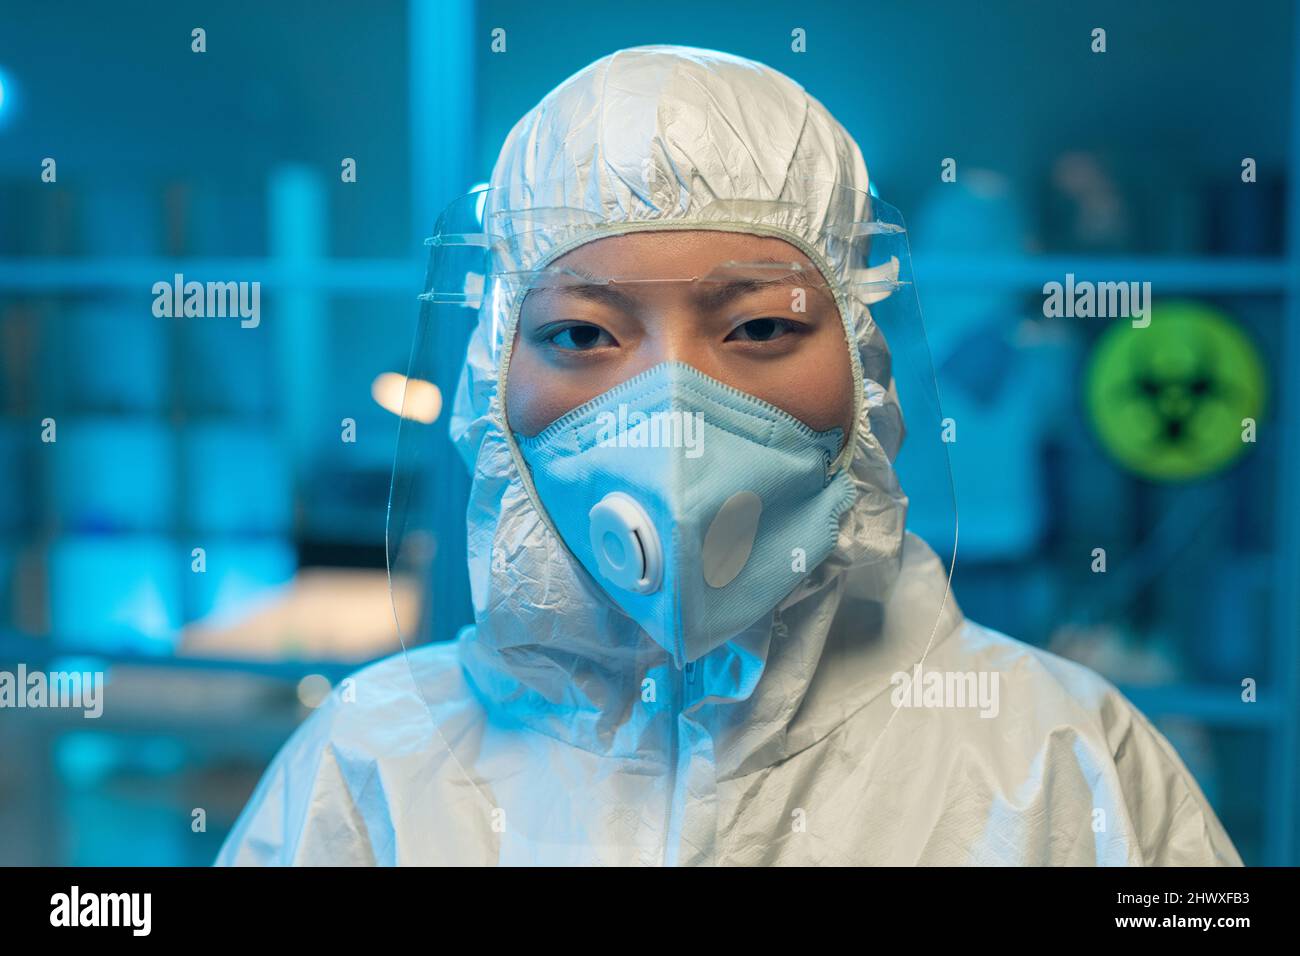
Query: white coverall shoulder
366, 782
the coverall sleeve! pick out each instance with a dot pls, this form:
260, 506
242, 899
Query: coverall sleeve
301, 812
1174, 822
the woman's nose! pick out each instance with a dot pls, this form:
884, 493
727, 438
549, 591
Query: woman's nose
679, 339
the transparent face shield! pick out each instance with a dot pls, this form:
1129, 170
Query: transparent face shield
582, 607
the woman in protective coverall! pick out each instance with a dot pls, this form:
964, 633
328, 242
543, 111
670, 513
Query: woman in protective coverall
702, 634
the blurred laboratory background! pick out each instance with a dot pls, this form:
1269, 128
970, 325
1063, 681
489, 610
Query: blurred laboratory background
208, 527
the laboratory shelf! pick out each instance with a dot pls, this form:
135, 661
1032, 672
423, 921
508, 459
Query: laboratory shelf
1186, 275
1212, 705
1215, 706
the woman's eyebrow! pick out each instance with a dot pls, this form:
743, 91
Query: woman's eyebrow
715, 295
593, 289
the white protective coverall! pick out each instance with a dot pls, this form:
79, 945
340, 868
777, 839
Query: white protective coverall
523, 744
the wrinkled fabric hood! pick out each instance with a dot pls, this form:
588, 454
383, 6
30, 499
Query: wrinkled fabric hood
667, 135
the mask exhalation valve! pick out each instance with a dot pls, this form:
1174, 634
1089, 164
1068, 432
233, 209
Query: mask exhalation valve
626, 543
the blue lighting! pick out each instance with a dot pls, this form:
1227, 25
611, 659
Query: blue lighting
482, 200
9, 98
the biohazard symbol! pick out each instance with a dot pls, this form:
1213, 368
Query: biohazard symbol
1170, 400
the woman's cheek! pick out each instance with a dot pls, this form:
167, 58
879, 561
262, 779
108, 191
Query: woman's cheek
521, 394
537, 394
816, 387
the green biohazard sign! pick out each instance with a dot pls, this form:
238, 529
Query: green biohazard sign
1178, 398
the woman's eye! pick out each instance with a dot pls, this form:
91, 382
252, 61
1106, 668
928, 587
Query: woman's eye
580, 338
761, 330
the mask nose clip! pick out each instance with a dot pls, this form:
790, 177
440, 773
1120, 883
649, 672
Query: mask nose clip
626, 543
